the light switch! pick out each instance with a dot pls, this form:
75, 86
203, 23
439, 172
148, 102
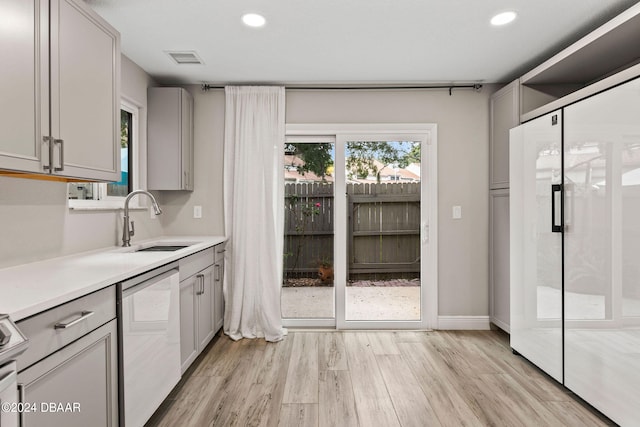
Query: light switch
457, 212
197, 211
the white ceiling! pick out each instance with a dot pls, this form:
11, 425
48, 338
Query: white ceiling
349, 41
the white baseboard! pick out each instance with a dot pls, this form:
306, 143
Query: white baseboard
463, 323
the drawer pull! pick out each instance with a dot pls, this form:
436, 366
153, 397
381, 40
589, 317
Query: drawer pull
84, 315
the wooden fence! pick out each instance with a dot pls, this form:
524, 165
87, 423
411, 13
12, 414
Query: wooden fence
383, 229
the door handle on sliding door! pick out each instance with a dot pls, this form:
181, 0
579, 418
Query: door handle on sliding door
556, 208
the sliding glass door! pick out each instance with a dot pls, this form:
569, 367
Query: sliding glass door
383, 230
360, 241
308, 296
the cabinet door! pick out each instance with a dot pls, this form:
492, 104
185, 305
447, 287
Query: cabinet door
218, 294
82, 377
206, 323
187, 140
505, 114
170, 139
188, 321
535, 243
602, 251
85, 98
499, 258
24, 84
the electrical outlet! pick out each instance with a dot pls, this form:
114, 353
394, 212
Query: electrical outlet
457, 212
197, 211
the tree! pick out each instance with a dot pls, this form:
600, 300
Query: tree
317, 157
363, 155
413, 156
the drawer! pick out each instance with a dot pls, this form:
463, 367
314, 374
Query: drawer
220, 250
47, 332
194, 263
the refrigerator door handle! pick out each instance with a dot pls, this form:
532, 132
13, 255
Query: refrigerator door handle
556, 208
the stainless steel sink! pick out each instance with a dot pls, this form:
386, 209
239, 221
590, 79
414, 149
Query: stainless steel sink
162, 248
158, 246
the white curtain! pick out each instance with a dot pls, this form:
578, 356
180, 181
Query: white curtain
254, 211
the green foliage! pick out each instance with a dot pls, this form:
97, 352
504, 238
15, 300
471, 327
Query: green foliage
363, 154
317, 157
413, 156
124, 128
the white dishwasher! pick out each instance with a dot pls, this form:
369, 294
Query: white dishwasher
149, 313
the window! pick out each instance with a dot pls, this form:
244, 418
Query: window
83, 195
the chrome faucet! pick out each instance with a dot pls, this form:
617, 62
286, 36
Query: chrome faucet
126, 231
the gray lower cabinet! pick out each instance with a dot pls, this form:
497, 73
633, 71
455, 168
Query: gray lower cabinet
188, 322
218, 283
197, 323
69, 374
75, 386
499, 282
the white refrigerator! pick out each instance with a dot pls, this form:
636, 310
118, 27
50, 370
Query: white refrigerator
575, 248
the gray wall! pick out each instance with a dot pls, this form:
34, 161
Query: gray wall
35, 221
463, 138
463, 147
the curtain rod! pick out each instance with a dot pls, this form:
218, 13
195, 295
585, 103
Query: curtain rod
476, 87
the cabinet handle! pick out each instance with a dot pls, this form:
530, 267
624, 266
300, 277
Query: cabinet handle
84, 315
221, 251
556, 209
200, 278
61, 142
217, 272
49, 141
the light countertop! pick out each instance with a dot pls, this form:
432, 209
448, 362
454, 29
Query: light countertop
29, 289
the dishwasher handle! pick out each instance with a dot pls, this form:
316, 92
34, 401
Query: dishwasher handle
130, 287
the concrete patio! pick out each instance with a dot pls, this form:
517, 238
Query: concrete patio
363, 302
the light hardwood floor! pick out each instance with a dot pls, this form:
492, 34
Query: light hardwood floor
370, 379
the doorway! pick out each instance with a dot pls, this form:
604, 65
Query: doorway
360, 237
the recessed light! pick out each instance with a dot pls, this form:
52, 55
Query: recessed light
253, 20
503, 18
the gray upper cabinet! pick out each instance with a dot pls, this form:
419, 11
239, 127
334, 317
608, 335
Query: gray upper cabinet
85, 96
170, 139
59, 112
505, 114
24, 105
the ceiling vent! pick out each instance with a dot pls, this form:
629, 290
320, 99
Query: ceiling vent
185, 57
